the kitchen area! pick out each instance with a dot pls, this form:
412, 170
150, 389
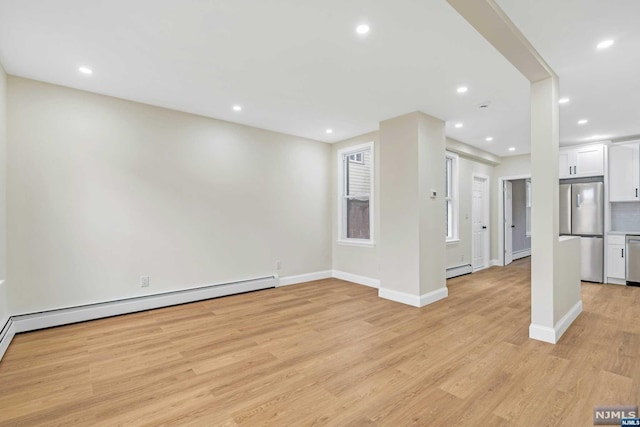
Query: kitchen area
600, 203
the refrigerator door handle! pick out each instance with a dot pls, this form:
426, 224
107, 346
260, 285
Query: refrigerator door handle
578, 200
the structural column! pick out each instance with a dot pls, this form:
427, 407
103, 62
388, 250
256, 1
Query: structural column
555, 263
412, 209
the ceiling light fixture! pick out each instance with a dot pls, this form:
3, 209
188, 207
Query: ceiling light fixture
237, 108
489, 139
605, 44
462, 89
362, 29
85, 70
512, 148
329, 131
583, 121
459, 125
563, 100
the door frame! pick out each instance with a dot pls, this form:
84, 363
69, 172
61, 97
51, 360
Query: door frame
487, 215
501, 180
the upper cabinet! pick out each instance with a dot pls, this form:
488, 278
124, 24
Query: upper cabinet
583, 161
624, 172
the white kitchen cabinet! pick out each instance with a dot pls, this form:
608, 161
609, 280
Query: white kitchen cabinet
624, 173
583, 161
616, 266
616, 257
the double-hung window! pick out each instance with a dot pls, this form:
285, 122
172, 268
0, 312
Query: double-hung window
355, 192
451, 192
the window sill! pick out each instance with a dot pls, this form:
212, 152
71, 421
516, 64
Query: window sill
361, 243
452, 241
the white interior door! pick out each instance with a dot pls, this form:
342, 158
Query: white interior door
480, 221
508, 223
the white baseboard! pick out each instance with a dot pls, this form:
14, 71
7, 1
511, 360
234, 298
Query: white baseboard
521, 254
414, 300
433, 296
6, 335
459, 271
301, 278
542, 333
495, 263
563, 324
614, 281
361, 280
552, 335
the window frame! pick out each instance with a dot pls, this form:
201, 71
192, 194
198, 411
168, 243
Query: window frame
342, 158
451, 198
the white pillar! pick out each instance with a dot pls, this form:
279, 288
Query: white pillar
544, 200
412, 222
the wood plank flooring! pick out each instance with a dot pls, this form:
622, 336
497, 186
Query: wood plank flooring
332, 353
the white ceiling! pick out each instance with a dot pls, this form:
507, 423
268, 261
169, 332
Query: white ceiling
603, 85
299, 67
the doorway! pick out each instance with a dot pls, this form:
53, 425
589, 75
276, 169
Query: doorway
515, 216
480, 222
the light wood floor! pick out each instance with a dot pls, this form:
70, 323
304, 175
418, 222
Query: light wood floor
332, 353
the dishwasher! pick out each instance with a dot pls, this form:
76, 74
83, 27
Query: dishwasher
633, 260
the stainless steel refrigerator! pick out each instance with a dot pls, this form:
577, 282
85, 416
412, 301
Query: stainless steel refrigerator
582, 214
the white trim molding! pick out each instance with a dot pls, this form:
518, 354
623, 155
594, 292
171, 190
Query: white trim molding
553, 335
414, 300
495, 263
355, 278
521, 254
302, 278
6, 336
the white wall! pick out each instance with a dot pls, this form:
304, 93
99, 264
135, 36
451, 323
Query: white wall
459, 253
102, 191
364, 261
4, 315
359, 260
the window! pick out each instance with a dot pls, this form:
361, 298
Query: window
356, 194
451, 192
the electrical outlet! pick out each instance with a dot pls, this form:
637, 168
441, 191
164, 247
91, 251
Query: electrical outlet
144, 281
278, 265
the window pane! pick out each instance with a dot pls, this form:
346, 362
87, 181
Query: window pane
448, 217
448, 178
358, 173
357, 219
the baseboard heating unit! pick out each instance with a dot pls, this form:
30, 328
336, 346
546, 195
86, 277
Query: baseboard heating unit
64, 316
460, 270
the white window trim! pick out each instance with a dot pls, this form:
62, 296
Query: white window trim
341, 208
454, 196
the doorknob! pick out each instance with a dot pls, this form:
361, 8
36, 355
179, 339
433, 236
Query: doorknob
484, 226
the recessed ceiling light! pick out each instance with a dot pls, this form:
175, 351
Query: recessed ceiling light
237, 108
459, 125
512, 148
462, 89
563, 100
489, 139
85, 70
329, 131
583, 121
362, 29
605, 44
